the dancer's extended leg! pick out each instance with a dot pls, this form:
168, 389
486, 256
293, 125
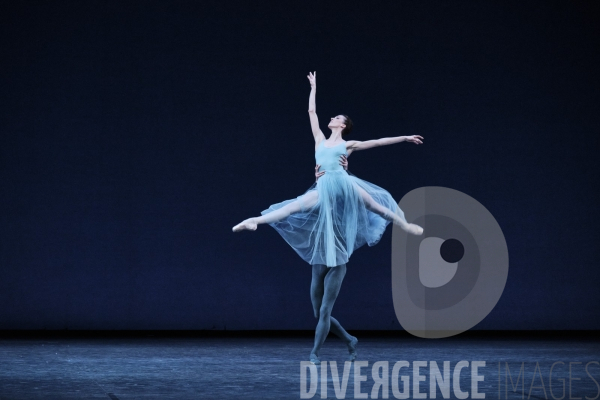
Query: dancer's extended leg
324, 289
306, 201
388, 214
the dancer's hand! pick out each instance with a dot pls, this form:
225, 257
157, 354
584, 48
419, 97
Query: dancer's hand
312, 79
317, 173
344, 162
414, 139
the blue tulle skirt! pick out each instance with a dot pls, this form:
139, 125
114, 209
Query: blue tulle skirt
334, 218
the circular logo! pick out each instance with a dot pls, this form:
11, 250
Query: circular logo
448, 279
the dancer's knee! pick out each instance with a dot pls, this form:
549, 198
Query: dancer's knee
371, 204
316, 309
324, 312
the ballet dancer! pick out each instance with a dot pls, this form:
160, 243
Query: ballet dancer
338, 214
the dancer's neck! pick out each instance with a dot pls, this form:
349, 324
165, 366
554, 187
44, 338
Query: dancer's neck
336, 136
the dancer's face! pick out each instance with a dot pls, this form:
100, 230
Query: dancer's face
337, 122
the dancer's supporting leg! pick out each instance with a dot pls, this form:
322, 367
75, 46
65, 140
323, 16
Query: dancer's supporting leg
306, 201
388, 214
324, 289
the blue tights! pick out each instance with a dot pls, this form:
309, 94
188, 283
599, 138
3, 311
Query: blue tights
324, 288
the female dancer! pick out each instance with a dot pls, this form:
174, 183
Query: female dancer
338, 214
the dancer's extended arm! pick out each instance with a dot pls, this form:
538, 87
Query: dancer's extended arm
355, 145
312, 109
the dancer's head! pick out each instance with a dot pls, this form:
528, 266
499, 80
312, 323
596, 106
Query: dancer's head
342, 122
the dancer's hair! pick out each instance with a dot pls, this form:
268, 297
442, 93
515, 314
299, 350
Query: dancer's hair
349, 124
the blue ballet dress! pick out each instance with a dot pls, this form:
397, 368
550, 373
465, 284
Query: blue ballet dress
334, 221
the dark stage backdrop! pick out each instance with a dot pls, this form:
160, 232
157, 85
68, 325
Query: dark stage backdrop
135, 134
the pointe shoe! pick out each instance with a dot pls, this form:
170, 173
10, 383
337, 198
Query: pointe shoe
414, 229
410, 228
247, 224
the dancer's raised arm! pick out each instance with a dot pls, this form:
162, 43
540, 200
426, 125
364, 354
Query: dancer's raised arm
355, 145
312, 109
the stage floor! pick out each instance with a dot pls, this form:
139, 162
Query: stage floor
270, 367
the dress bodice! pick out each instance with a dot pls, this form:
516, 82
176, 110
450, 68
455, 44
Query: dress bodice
329, 157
